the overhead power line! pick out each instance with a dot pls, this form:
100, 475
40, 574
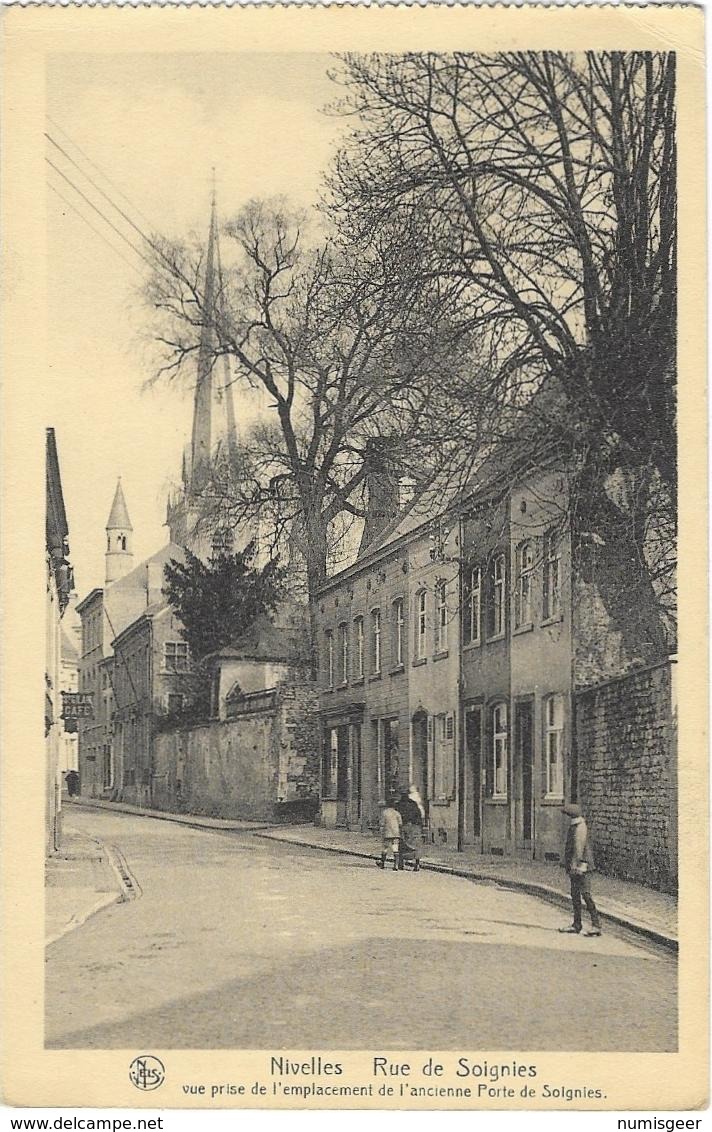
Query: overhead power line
99, 170
147, 239
105, 195
97, 231
96, 209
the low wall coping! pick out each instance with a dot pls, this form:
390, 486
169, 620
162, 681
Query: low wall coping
667, 661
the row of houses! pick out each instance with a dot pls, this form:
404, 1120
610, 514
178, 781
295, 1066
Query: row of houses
467, 650
453, 653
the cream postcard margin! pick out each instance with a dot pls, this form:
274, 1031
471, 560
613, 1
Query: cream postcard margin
34, 1076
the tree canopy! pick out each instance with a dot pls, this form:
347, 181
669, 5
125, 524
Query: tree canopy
496, 258
543, 186
346, 347
219, 600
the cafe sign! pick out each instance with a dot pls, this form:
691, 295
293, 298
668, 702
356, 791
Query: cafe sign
77, 705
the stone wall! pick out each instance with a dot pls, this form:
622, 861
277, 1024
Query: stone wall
627, 760
260, 766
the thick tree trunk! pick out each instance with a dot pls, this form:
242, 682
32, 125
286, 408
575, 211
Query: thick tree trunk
315, 553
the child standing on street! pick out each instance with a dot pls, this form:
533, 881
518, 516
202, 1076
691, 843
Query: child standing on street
391, 826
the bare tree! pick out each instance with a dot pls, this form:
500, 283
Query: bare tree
543, 187
347, 348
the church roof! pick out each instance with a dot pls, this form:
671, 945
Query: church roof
264, 641
119, 517
136, 578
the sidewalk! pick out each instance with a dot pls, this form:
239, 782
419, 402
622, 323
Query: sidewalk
79, 881
643, 910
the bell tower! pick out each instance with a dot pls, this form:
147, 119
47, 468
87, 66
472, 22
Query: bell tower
119, 553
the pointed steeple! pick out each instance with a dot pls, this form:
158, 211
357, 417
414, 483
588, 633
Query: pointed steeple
213, 411
214, 432
119, 515
119, 555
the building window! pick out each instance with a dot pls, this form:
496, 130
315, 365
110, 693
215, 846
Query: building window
421, 625
552, 576
471, 622
499, 751
358, 625
441, 617
496, 618
376, 641
554, 745
329, 659
344, 651
175, 656
398, 632
523, 596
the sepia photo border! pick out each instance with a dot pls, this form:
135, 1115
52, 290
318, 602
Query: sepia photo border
35, 1076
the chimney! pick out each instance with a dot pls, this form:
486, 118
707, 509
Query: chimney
382, 488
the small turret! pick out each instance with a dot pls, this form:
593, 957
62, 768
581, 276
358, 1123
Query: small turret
119, 552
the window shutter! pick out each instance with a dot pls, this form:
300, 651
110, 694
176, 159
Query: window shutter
449, 789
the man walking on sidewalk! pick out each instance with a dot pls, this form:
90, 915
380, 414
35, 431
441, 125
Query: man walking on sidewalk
579, 864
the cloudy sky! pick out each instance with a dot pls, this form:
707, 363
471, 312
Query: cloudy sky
154, 125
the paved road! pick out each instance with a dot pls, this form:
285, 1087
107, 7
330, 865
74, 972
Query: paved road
239, 942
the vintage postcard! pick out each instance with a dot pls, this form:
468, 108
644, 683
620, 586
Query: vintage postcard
354, 505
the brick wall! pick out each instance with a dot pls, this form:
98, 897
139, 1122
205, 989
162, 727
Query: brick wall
626, 741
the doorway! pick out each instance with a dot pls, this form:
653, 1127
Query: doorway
391, 758
419, 772
335, 771
356, 774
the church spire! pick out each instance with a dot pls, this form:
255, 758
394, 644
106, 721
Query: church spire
119, 555
213, 412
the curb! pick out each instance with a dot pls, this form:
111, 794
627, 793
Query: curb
116, 862
194, 821
541, 891
80, 918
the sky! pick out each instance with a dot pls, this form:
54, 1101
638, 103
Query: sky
154, 125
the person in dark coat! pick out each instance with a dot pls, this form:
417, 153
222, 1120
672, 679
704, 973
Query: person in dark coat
72, 781
579, 864
412, 833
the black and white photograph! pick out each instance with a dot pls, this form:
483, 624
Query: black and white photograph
360, 437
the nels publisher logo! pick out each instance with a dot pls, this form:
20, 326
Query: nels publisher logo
147, 1072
